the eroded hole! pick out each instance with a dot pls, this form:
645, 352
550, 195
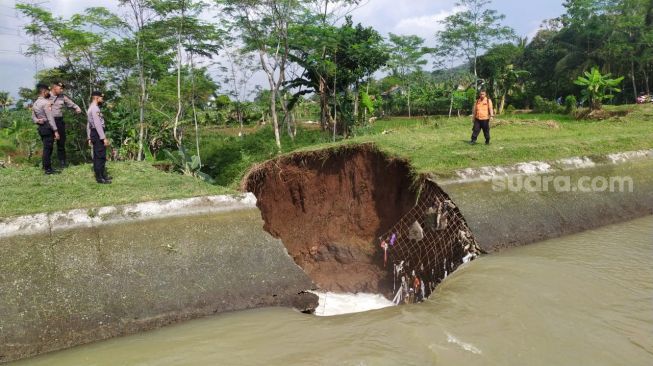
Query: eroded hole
359, 222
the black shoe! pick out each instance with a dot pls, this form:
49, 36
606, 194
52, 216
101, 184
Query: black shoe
49, 172
103, 181
487, 142
108, 178
63, 164
472, 142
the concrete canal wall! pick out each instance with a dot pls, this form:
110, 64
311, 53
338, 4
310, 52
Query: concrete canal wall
81, 276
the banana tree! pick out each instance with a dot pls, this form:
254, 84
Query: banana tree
597, 87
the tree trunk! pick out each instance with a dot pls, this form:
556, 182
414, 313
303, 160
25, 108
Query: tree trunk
324, 105
275, 119
356, 102
502, 104
179, 59
632, 77
273, 98
451, 104
192, 100
335, 105
141, 103
409, 111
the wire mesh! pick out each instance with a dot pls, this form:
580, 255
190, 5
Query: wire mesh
426, 245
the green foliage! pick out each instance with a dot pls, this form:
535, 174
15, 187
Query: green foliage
571, 104
510, 109
227, 158
597, 88
468, 32
31, 191
188, 165
18, 136
367, 102
541, 105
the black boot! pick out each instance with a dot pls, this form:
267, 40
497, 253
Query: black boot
103, 181
63, 164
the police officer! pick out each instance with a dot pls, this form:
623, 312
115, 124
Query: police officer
97, 139
47, 128
59, 100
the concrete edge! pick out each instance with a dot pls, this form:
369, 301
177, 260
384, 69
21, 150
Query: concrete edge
43, 223
539, 167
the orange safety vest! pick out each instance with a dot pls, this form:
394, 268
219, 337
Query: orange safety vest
483, 108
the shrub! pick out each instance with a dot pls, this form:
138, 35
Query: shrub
510, 109
541, 105
570, 104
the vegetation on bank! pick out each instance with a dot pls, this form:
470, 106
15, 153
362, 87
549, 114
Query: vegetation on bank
26, 190
436, 145
439, 145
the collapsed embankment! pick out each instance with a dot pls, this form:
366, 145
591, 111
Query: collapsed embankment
357, 220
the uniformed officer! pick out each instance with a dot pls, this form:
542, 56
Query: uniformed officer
59, 100
42, 116
97, 139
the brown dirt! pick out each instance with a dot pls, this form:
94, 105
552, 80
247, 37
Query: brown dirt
328, 208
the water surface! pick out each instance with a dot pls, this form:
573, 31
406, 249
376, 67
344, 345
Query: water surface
585, 299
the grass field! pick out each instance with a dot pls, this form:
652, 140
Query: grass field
27, 190
440, 145
436, 145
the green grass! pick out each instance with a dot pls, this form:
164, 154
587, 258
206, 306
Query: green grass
27, 190
440, 145
433, 145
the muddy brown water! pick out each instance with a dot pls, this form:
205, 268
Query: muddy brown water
585, 299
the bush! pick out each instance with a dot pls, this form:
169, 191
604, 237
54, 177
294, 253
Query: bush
510, 109
570, 104
541, 105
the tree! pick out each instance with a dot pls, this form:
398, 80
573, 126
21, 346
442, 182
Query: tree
5, 100
191, 36
472, 30
263, 26
499, 67
334, 60
141, 16
597, 87
406, 57
238, 72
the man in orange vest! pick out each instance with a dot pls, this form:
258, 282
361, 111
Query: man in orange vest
482, 113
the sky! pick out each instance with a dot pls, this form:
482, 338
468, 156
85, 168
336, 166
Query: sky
419, 17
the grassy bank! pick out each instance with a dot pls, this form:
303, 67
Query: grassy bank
440, 145
27, 190
437, 145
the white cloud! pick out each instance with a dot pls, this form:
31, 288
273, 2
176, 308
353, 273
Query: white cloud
425, 26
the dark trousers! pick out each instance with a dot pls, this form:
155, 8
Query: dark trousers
481, 125
47, 137
61, 143
99, 155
